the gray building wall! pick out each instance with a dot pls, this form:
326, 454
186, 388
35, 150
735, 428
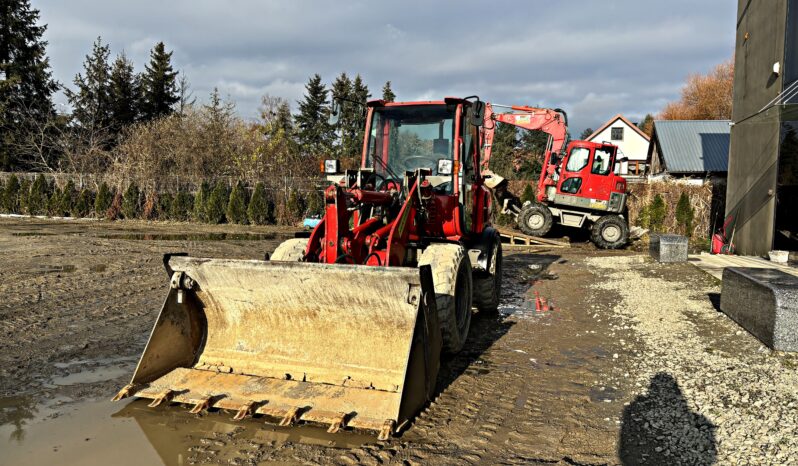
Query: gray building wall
755, 137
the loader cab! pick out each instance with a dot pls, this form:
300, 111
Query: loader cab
405, 137
439, 136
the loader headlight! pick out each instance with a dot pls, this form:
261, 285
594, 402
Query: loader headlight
331, 167
445, 167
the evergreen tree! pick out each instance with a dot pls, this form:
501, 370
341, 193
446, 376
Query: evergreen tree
585, 134
24, 196
342, 91
181, 207
528, 194
131, 202
200, 200
647, 125
82, 206
124, 94
314, 132
159, 84
54, 203
103, 200
656, 213
217, 203
69, 197
360, 93
91, 100
39, 196
260, 210
387, 92
26, 84
237, 205
11, 195
165, 203
685, 214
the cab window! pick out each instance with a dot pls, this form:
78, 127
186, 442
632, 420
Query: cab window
601, 162
578, 159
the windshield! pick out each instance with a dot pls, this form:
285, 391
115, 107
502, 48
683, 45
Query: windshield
409, 137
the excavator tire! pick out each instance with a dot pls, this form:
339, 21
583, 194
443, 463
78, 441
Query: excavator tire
451, 272
535, 219
292, 250
610, 232
488, 284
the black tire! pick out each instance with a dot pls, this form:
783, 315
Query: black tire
535, 219
488, 284
451, 276
292, 250
610, 232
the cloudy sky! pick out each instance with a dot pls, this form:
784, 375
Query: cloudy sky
592, 58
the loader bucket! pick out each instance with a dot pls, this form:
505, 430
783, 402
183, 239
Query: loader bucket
341, 345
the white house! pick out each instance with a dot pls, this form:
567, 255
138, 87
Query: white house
631, 141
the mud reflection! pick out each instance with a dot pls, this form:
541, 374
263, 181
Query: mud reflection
16, 411
179, 437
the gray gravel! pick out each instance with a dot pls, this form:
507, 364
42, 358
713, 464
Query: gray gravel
703, 391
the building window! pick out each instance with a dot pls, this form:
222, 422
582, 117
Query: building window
617, 134
791, 54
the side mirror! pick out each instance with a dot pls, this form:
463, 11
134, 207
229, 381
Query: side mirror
445, 167
478, 115
335, 112
331, 167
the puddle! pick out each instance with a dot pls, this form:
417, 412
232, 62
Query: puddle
191, 237
604, 394
91, 376
100, 432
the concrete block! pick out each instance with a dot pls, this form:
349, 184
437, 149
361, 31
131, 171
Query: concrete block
764, 302
668, 248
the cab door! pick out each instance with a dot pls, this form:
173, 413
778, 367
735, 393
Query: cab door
575, 171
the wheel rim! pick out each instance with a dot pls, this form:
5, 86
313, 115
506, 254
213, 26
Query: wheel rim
536, 221
611, 233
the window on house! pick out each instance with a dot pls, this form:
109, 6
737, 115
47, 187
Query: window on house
617, 134
791, 54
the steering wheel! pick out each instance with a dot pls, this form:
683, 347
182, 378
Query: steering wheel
420, 158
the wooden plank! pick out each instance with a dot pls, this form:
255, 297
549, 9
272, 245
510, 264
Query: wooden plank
520, 239
714, 264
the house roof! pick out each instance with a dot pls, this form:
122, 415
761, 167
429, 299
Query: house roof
613, 120
693, 146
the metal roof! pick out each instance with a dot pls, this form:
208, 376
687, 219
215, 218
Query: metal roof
693, 146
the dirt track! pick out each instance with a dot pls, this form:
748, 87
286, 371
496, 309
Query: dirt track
79, 300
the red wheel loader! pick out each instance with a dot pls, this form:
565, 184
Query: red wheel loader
577, 187
344, 328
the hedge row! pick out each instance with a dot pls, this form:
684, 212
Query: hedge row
212, 203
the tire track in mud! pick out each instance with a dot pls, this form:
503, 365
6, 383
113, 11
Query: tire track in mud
519, 393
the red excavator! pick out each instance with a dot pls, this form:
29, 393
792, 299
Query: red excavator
577, 188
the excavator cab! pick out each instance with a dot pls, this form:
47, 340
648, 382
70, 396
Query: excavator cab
587, 179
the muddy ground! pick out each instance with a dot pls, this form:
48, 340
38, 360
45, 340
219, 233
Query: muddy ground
590, 382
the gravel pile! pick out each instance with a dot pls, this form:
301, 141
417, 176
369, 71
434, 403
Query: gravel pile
706, 391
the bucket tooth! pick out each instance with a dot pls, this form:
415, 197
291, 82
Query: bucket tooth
201, 405
161, 397
387, 430
338, 424
291, 417
124, 393
244, 411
